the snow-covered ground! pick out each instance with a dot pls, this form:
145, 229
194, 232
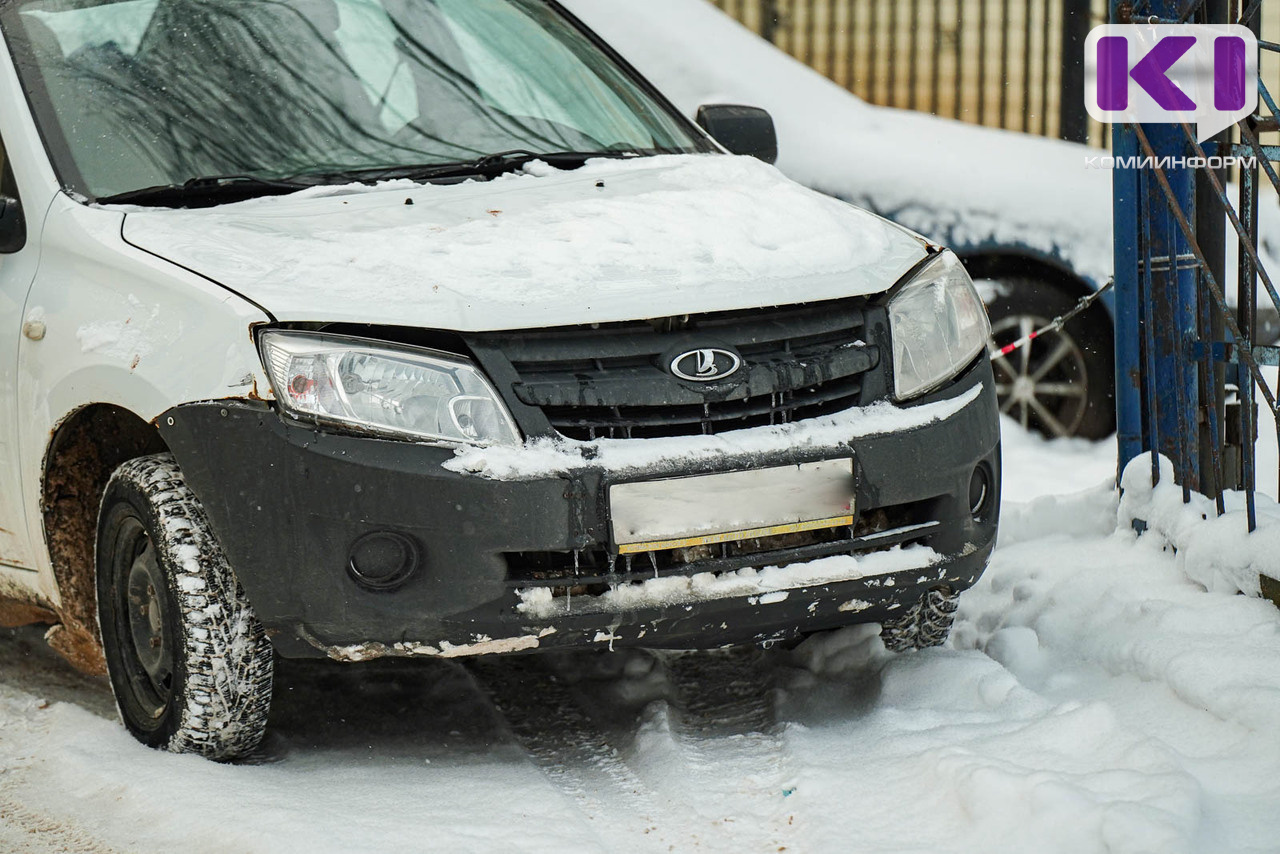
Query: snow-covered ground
1093, 698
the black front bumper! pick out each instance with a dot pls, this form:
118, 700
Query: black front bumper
288, 501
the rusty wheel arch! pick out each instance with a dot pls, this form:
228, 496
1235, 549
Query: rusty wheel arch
83, 452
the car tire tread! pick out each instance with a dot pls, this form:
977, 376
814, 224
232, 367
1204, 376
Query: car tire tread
226, 661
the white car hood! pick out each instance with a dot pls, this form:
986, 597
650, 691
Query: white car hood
615, 240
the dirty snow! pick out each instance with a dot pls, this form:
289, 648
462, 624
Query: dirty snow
1095, 698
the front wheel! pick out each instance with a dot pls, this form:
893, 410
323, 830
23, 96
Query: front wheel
190, 665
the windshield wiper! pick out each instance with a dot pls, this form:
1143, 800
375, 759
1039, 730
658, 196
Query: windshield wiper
207, 191
488, 166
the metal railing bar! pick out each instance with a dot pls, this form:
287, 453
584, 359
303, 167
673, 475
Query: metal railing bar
1265, 93
1189, 233
1270, 153
1249, 12
1246, 240
1147, 340
1228, 352
1209, 406
1192, 7
1264, 159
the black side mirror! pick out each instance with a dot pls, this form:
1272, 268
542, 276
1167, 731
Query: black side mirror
13, 225
742, 130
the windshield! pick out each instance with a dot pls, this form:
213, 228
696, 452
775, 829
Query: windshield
143, 93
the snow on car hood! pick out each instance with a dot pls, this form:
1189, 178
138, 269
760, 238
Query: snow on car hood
961, 185
614, 240
958, 184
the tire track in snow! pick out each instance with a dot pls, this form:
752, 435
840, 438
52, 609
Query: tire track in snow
46, 834
725, 718
577, 757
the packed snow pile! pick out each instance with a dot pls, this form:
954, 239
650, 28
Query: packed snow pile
1212, 550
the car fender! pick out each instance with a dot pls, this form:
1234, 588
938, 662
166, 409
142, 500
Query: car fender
120, 327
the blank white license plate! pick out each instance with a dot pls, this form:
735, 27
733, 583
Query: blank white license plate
717, 508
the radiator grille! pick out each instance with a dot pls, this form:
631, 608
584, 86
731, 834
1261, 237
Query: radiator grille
614, 381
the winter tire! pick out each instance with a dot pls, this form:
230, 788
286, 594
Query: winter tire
189, 662
1062, 383
927, 624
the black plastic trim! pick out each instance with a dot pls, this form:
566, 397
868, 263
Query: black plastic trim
287, 501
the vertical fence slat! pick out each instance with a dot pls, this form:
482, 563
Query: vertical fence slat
957, 109
811, 30
913, 48
936, 60
891, 61
930, 54
1006, 26
873, 52
833, 31
1073, 121
1027, 6
1046, 83
982, 62
851, 60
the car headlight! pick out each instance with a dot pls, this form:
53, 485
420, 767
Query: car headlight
938, 324
381, 388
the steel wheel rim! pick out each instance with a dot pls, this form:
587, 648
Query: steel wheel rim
1045, 384
146, 643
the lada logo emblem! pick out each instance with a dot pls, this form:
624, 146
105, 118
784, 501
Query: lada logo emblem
706, 365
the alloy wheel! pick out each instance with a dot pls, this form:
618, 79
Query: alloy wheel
1043, 384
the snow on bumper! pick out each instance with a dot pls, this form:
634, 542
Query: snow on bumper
768, 586
551, 457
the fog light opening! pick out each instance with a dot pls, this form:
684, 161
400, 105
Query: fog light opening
980, 492
383, 560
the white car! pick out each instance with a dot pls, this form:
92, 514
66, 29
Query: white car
1029, 216
360, 328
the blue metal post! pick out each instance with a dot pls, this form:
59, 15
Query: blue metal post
1173, 308
1157, 387
1125, 210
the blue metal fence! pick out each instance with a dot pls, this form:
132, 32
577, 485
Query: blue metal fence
1189, 369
